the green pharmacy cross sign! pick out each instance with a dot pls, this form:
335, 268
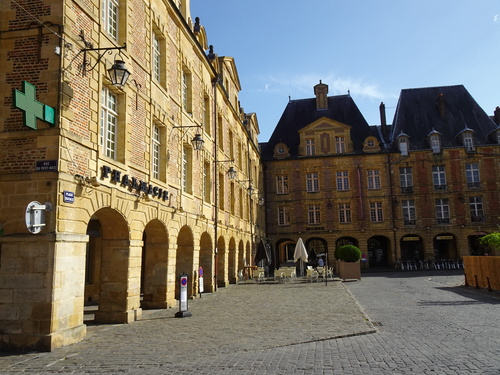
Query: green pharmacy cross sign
32, 109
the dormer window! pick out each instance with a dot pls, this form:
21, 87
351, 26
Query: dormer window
498, 137
281, 151
340, 145
468, 142
403, 142
371, 145
435, 144
310, 147
467, 138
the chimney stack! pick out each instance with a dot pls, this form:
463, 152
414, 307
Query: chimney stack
321, 92
383, 120
496, 115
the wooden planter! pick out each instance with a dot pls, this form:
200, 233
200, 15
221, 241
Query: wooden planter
349, 270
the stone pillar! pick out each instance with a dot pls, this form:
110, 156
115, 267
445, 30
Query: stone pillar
41, 291
120, 282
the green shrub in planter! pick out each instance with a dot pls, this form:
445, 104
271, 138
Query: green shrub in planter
349, 253
336, 253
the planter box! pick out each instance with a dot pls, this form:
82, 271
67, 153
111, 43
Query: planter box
350, 270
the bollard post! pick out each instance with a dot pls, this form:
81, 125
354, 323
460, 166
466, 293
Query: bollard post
489, 285
183, 298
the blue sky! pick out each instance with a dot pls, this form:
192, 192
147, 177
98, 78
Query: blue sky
374, 49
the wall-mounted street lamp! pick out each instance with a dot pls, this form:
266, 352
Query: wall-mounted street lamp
197, 141
251, 191
118, 73
231, 173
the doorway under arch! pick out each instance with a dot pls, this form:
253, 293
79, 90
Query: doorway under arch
378, 251
184, 263
445, 246
207, 262
412, 247
107, 269
154, 270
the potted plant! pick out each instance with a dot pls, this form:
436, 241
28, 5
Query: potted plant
349, 265
492, 242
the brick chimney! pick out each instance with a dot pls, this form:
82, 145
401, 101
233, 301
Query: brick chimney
496, 115
383, 120
321, 92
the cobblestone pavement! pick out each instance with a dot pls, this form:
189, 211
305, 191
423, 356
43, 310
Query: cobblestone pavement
420, 323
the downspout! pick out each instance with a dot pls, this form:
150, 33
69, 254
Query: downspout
361, 202
216, 179
393, 213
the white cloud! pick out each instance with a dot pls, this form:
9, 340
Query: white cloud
301, 86
496, 19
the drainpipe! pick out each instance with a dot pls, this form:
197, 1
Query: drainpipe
391, 198
360, 192
215, 178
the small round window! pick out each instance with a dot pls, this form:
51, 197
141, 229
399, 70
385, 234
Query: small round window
370, 143
281, 150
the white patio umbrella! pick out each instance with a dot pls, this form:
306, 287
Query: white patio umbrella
300, 253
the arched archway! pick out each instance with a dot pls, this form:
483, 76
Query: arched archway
207, 262
445, 246
315, 248
154, 270
475, 247
285, 248
221, 262
231, 267
378, 251
241, 256
412, 247
346, 241
185, 260
107, 271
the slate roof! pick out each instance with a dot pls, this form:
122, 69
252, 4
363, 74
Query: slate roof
418, 114
300, 113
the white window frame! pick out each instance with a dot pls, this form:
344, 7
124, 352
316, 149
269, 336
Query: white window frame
340, 145
409, 212
109, 123
439, 177
187, 169
282, 184
283, 216
436, 144
442, 211
342, 180
405, 177
472, 175
345, 215
373, 179
403, 146
312, 182
476, 209
376, 212
207, 182
110, 17
156, 58
314, 214
468, 142
310, 147
156, 151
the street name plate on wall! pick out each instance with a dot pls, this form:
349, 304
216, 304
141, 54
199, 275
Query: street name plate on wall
68, 196
46, 166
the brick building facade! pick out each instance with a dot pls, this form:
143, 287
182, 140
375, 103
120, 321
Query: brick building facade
104, 199
423, 188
